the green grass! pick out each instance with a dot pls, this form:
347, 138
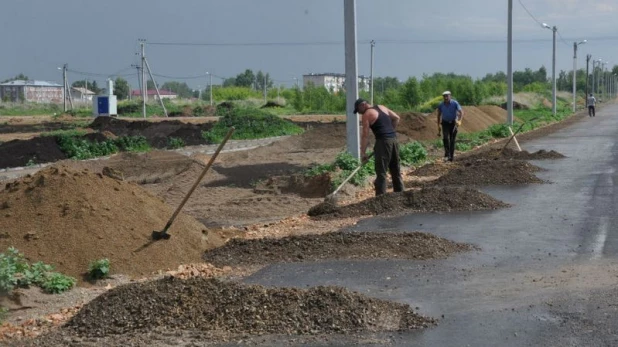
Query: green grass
67, 132
250, 124
80, 148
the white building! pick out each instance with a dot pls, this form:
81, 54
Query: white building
333, 81
80, 94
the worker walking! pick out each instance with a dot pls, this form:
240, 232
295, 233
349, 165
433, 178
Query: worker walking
383, 122
592, 101
450, 114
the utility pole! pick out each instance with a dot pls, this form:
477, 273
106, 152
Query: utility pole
210, 86
553, 72
264, 88
145, 84
575, 44
588, 57
351, 78
64, 82
373, 44
509, 67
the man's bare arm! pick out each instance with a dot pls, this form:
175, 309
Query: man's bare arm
364, 135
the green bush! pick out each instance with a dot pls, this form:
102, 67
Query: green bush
56, 283
80, 148
99, 269
319, 170
499, 131
412, 153
12, 265
250, 124
431, 105
175, 142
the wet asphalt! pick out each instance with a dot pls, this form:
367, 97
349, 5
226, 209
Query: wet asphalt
545, 274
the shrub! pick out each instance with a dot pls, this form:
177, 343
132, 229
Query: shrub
56, 283
412, 153
80, 148
250, 124
499, 131
175, 142
12, 263
99, 269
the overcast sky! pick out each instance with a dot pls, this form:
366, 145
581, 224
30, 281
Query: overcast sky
101, 36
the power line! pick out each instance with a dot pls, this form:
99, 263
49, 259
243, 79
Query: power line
530, 14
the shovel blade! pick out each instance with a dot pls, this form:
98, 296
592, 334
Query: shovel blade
160, 235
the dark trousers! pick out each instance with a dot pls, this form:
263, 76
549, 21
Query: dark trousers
449, 133
386, 153
591, 111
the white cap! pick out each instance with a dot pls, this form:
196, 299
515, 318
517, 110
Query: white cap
446, 93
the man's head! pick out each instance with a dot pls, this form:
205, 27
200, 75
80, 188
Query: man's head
590, 94
446, 96
360, 106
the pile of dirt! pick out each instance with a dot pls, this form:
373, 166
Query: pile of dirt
509, 153
419, 126
157, 133
69, 218
337, 245
433, 169
18, 153
236, 309
430, 199
490, 172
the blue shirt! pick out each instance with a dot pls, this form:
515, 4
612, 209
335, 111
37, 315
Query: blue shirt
449, 111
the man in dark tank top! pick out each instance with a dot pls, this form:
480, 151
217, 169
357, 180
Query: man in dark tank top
383, 122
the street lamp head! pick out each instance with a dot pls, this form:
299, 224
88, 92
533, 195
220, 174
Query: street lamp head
581, 43
546, 26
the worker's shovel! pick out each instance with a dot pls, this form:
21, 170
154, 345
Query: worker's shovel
158, 235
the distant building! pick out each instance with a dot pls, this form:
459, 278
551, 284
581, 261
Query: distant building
31, 91
333, 81
152, 94
80, 94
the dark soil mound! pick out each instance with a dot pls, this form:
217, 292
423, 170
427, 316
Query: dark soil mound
509, 153
490, 172
157, 133
433, 169
271, 104
237, 309
432, 199
337, 245
69, 218
38, 150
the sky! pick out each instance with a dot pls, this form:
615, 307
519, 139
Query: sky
413, 37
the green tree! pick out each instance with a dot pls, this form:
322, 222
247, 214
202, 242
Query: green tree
261, 79
180, 88
121, 88
90, 85
20, 77
411, 93
245, 79
150, 85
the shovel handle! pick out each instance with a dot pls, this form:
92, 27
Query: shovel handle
351, 175
199, 179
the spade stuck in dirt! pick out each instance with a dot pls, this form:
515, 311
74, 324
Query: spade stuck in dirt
163, 234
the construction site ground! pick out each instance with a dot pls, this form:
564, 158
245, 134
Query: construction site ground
258, 190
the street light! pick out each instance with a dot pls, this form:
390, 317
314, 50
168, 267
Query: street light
553, 66
210, 86
575, 45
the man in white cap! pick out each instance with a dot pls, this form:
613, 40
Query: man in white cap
449, 119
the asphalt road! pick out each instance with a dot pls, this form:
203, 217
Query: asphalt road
546, 274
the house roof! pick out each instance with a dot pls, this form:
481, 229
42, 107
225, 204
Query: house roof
332, 74
31, 83
84, 91
152, 92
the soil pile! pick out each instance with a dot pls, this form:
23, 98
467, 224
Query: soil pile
307, 187
69, 218
419, 126
157, 133
432, 199
337, 245
490, 172
18, 153
509, 153
433, 169
237, 309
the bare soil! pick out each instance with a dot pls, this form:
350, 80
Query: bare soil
509, 153
18, 153
432, 199
336, 245
69, 218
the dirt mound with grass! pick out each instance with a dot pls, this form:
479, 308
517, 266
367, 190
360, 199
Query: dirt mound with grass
509, 153
337, 245
430, 199
157, 133
69, 218
490, 172
18, 153
237, 309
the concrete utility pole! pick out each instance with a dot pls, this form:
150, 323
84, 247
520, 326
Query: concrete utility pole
553, 67
588, 57
210, 86
509, 67
373, 44
264, 88
575, 44
64, 82
144, 84
351, 78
